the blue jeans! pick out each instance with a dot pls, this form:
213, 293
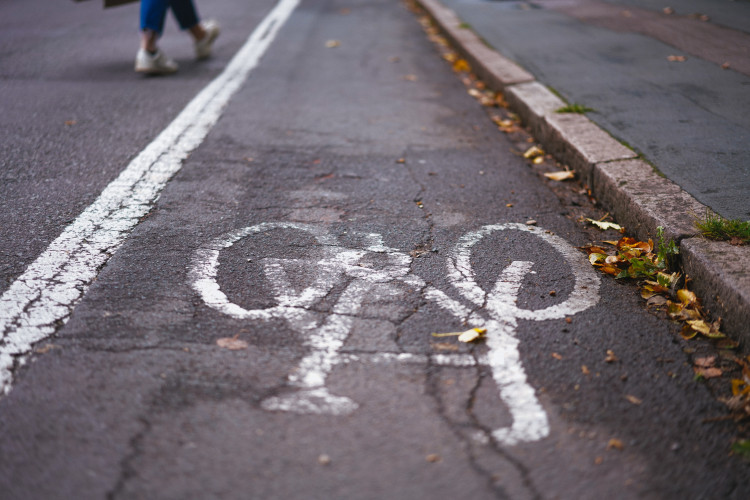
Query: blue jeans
154, 12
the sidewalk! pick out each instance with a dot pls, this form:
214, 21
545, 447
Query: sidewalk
669, 134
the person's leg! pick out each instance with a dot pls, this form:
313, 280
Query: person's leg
149, 59
153, 13
186, 15
204, 33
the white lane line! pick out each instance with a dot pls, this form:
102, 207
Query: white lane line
44, 296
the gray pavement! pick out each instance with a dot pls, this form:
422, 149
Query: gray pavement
689, 119
674, 87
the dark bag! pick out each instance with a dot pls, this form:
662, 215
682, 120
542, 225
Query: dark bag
115, 3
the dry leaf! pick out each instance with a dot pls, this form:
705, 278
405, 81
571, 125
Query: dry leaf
707, 372
705, 362
410, 78
604, 225
324, 459
472, 335
461, 66
232, 343
633, 399
676, 58
432, 458
611, 358
445, 346
533, 152
332, 43
467, 336
561, 175
556, 356
585, 370
615, 444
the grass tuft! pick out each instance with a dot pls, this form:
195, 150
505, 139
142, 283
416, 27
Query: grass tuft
716, 227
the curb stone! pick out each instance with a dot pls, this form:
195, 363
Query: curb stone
629, 188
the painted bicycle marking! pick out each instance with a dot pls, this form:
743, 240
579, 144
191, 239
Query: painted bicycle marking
529, 418
307, 392
324, 339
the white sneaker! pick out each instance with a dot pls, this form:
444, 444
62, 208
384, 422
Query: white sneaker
203, 46
157, 64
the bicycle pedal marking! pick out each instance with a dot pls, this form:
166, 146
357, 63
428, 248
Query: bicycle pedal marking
307, 390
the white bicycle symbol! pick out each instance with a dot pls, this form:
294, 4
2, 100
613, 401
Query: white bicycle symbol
325, 338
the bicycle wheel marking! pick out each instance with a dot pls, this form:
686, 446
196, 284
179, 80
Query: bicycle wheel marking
496, 310
529, 418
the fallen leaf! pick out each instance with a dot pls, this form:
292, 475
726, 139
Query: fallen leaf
668, 10
332, 43
726, 65
604, 225
707, 372
432, 458
445, 346
556, 356
533, 152
461, 66
531, 222
467, 336
705, 362
70, 122
410, 78
611, 358
686, 297
676, 58
324, 459
585, 370
472, 335
633, 399
562, 175
615, 444
232, 343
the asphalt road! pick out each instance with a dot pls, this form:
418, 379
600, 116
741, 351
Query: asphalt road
351, 200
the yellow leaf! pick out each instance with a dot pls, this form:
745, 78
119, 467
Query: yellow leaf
472, 335
467, 336
700, 326
604, 225
687, 332
686, 296
533, 152
461, 66
615, 444
596, 257
561, 175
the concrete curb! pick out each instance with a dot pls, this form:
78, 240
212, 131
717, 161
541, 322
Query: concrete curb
637, 196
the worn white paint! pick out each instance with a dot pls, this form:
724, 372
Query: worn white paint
530, 421
44, 296
324, 337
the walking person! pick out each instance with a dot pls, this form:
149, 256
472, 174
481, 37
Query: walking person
150, 60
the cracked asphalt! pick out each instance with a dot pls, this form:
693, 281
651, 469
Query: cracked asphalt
376, 146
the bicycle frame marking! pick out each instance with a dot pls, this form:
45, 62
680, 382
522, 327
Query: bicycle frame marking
325, 338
